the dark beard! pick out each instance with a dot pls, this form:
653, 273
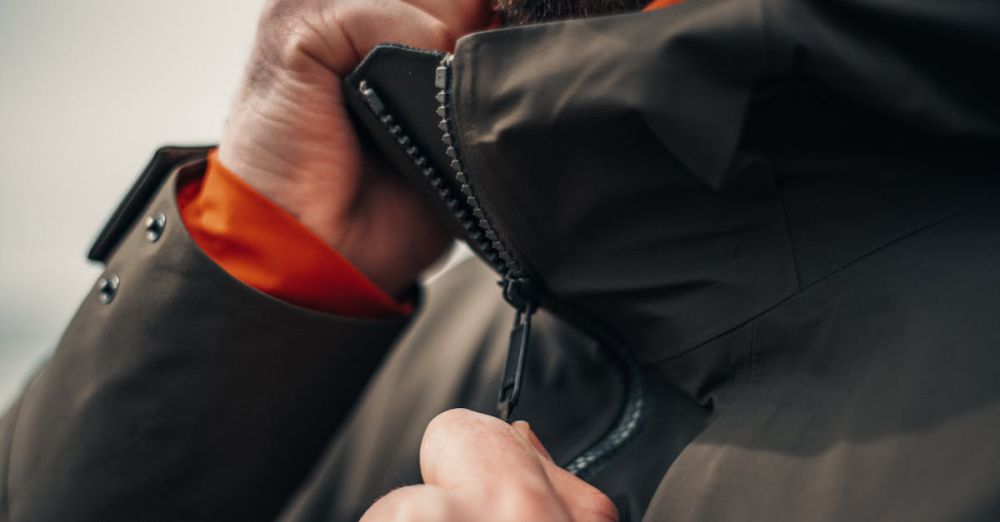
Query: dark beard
520, 12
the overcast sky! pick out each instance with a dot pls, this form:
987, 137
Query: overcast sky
88, 90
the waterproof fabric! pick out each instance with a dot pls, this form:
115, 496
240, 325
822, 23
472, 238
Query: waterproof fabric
786, 211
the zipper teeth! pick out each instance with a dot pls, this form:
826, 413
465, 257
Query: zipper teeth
486, 237
467, 210
631, 417
459, 204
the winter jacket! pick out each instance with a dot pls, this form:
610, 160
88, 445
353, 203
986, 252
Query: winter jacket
747, 248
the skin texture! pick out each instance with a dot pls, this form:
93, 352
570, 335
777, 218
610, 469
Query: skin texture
476, 467
289, 136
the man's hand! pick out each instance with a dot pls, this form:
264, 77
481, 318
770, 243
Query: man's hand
477, 467
289, 135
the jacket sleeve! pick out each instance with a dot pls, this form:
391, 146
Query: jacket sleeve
177, 392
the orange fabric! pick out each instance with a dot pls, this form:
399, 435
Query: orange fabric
265, 247
660, 4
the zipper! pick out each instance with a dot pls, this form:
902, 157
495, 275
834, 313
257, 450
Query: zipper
519, 289
479, 232
517, 285
517, 350
485, 236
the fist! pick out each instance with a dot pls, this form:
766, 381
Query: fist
289, 136
477, 467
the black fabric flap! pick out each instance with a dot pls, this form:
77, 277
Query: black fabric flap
164, 161
402, 82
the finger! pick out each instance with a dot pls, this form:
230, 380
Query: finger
460, 443
523, 428
360, 25
584, 502
462, 16
414, 504
483, 457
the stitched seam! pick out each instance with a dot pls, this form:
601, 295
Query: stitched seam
878, 249
788, 232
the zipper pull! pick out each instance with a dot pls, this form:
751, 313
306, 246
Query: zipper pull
520, 338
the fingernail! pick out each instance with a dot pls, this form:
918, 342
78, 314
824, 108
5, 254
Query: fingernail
524, 429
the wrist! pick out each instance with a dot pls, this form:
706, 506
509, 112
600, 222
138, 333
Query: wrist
289, 137
331, 211
288, 152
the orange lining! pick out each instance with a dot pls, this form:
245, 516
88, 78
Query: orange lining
265, 247
660, 4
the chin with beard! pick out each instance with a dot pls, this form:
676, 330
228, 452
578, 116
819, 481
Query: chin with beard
520, 12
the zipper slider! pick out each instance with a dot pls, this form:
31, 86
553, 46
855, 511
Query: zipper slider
520, 338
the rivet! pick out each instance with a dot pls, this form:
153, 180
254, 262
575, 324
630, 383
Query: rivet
107, 288
155, 225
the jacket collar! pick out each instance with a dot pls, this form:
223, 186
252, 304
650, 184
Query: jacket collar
627, 164
605, 153
673, 174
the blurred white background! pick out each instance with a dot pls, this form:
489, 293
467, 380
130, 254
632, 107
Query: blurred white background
88, 90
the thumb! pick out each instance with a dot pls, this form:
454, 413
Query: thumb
584, 502
482, 455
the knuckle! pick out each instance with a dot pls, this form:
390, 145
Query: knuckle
470, 11
292, 44
279, 38
440, 35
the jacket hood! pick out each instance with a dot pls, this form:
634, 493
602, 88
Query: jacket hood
675, 173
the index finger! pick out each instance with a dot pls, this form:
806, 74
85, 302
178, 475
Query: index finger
461, 16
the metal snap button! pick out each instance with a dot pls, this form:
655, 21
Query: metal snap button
155, 226
107, 288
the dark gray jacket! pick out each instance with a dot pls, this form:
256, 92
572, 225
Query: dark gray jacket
761, 235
